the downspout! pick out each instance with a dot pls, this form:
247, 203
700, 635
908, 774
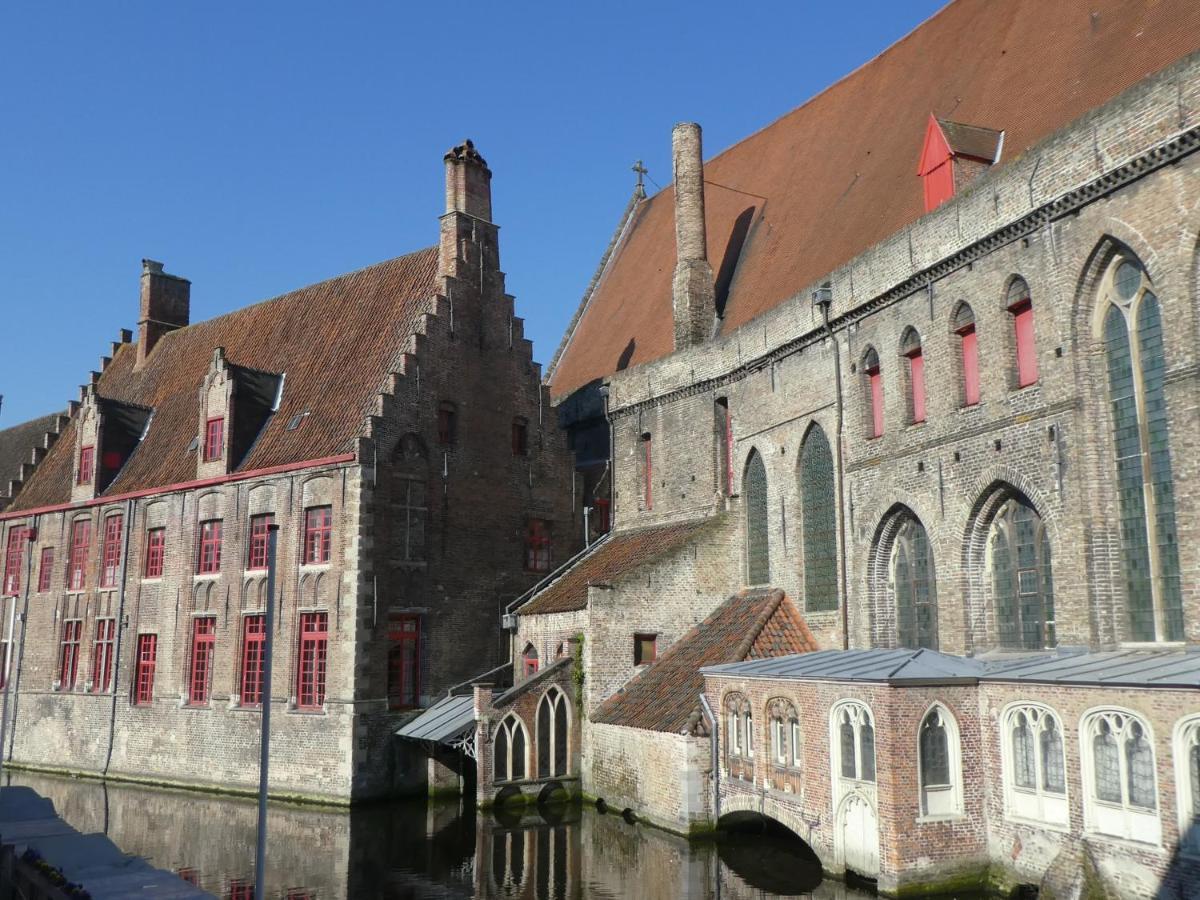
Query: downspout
8, 727
716, 768
612, 461
838, 439
130, 513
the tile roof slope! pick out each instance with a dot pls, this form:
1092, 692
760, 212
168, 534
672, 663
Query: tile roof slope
336, 341
17, 443
1026, 67
623, 552
750, 625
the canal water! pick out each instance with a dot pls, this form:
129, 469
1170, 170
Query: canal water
412, 850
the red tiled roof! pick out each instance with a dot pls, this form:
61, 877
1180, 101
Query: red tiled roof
17, 443
620, 553
750, 625
336, 341
838, 173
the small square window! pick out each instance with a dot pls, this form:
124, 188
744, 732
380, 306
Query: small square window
645, 649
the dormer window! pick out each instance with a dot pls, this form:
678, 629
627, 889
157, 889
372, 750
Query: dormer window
953, 155
236, 403
214, 439
87, 465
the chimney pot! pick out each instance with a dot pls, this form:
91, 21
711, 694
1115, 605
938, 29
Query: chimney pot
693, 293
165, 306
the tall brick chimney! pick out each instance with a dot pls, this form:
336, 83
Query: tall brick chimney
165, 306
694, 298
468, 203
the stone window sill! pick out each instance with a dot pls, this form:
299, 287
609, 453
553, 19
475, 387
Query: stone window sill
1130, 843
941, 817
1037, 823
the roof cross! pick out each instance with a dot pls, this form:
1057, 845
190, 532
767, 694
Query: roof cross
641, 170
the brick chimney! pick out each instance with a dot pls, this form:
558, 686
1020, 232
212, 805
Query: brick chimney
693, 295
468, 203
165, 306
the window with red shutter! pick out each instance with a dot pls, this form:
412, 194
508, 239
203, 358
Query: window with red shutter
68, 667
254, 646
14, 557
259, 533
529, 660
143, 674
311, 670
318, 526
603, 518
214, 439
46, 569
87, 465
240, 889
155, 544
1021, 307
916, 376
102, 655
204, 636
81, 538
538, 546
964, 327
111, 555
874, 393
404, 662
210, 547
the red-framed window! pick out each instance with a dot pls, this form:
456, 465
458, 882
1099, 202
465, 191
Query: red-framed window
156, 541
875, 394
240, 889
68, 658
648, 470
969, 345
314, 649
45, 569
916, 384
260, 529
209, 557
81, 539
214, 438
529, 660
254, 657
404, 662
538, 546
102, 655
601, 510
318, 528
447, 424
14, 557
87, 465
645, 649
1027, 367
143, 673
111, 554
204, 636
520, 437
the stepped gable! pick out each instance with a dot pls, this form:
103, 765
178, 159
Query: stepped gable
620, 553
335, 341
837, 175
753, 624
18, 444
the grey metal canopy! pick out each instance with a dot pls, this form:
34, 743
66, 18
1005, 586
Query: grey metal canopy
889, 666
446, 722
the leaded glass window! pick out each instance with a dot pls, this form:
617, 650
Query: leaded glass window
849, 767
754, 487
935, 752
1145, 484
784, 727
866, 749
1022, 582
856, 741
739, 737
509, 751
1024, 761
1122, 760
1054, 777
1141, 768
818, 505
1108, 764
1034, 765
913, 584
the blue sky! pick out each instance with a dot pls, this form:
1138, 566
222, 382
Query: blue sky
258, 147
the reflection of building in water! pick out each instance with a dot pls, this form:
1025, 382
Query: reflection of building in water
533, 856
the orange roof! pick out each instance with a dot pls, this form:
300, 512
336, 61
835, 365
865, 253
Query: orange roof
836, 175
336, 341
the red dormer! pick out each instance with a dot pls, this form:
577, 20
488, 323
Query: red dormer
953, 155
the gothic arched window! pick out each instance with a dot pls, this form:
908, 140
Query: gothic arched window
854, 730
1133, 343
913, 584
1187, 777
874, 391
1034, 765
785, 733
1022, 583
509, 750
818, 504
911, 350
529, 660
739, 728
552, 734
754, 489
940, 765
1020, 307
1120, 785
968, 353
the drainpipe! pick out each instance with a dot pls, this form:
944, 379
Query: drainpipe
30, 536
130, 513
612, 460
716, 767
826, 299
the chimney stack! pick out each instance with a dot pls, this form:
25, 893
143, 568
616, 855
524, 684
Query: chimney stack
165, 306
694, 298
468, 182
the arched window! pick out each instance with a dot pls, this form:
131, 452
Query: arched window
1120, 786
552, 734
818, 504
1020, 306
739, 733
940, 764
754, 489
913, 584
910, 349
508, 861
509, 750
529, 660
723, 436
646, 464
1035, 782
968, 353
785, 733
874, 393
1133, 343
854, 730
1022, 583
1187, 777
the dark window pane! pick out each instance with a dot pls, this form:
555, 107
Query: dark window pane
847, 749
1053, 775
1106, 760
935, 753
818, 505
1023, 759
754, 486
1140, 760
867, 750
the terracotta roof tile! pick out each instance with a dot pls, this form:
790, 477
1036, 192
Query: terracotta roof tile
838, 173
16, 447
336, 341
620, 553
750, 625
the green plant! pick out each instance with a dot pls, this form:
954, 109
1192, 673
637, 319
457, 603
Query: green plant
577, 672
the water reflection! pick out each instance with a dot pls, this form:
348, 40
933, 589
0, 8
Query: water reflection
414, 851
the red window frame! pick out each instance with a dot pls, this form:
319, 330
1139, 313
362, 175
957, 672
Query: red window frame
260, 529
102, 655
875, 387
204, 637
529, 661
81, 539
14, 557
111, 554
156, 540
404, 662
144, 663
312, 661
970, 363
214, 438
208, 559
68, 660
239, 889
602, 508
539, 546
520, 437
648, 470
916, 384
87, 465
1026, 345
254, 658
45, 569
318, 531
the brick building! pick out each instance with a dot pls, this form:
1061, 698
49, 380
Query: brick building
391, 422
